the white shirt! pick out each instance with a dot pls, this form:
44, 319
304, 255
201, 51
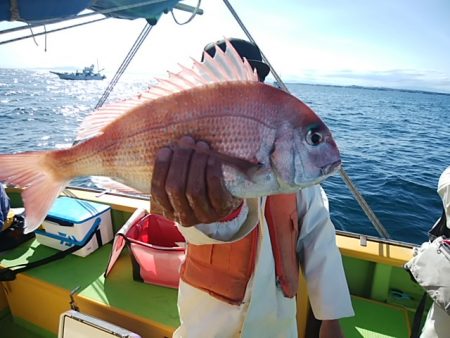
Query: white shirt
265, 312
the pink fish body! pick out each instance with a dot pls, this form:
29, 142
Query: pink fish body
270, 141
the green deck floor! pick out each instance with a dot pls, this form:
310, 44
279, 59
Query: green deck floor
118, 290
376, 320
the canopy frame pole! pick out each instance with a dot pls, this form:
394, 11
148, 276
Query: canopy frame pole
33, 35
137, 44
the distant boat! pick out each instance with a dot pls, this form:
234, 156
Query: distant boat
87, 74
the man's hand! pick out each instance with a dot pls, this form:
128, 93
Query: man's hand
188, 185
330, 329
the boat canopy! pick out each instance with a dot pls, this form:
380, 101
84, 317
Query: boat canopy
133, 9
34, 12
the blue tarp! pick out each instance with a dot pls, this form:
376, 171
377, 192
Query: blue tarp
150, 11
37, 10
34, 11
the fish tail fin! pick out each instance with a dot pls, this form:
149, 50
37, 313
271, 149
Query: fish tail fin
40, 188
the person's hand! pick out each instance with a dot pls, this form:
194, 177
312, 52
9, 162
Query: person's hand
188, 184
330, 329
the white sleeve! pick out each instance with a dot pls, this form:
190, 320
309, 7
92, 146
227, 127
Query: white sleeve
320, 258
227, 231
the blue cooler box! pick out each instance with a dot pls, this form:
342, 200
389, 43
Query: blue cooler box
71, 222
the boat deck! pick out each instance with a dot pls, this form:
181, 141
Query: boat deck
119, 299
150, 310
383, 294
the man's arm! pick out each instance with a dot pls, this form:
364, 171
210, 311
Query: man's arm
330, 329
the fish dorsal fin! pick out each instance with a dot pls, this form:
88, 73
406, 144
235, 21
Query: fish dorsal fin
223, 67
93, 124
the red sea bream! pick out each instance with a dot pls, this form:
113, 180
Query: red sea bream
270, 142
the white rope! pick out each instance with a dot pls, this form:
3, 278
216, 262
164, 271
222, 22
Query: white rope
194, 13
33, 36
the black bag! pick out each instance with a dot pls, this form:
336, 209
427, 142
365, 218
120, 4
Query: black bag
13, 236
9, 274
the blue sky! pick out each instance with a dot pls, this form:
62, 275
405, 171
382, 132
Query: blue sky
388, 43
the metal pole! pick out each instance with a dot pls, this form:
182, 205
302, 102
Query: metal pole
124, 64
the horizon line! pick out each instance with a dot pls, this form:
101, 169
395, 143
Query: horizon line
292, 82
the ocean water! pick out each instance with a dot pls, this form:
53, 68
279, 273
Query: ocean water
394, 144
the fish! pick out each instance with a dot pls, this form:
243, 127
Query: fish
269, 141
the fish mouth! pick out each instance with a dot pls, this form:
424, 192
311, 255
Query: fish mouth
330, 168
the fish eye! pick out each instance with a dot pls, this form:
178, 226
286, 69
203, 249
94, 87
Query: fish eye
314, 137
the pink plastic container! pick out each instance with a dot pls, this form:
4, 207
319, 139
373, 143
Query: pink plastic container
157, 249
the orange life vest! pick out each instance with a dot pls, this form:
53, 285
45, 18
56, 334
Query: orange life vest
223, 270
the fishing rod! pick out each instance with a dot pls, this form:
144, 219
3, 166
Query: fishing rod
359, 198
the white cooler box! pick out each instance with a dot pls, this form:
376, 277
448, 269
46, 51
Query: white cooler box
71, 222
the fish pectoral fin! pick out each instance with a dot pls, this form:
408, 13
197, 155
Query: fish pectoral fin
246, 167
113, 185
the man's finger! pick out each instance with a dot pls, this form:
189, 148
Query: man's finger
221, 199
158, 186
177, 181
196, 190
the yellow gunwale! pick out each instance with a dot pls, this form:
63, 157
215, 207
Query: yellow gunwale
375, 251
